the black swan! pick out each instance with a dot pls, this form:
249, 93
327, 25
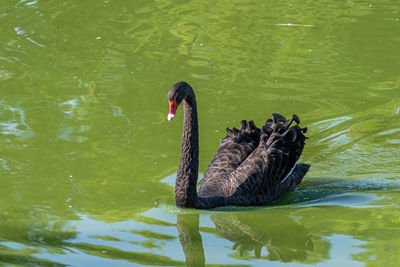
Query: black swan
252, 166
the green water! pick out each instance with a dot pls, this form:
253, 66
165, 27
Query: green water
87, 157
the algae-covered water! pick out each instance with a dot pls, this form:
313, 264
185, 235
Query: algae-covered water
87, 157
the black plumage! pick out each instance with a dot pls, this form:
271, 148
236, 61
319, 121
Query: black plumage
252, 166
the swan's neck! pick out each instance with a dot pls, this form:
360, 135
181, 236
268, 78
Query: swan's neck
186, 179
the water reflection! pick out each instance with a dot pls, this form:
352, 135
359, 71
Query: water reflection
189, 236
24, 240
329, 230
8, 256
284, 238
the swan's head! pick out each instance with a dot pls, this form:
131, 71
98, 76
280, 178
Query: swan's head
177, 93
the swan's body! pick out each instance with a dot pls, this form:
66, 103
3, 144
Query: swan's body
252, 166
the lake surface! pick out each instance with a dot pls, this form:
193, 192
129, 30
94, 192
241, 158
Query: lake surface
87, 157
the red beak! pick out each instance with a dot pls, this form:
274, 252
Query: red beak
173, 106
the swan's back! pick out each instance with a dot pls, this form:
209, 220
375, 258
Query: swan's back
254, 166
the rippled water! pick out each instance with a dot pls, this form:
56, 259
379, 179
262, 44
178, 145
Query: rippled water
88, 158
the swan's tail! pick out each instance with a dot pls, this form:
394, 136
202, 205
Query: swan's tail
295, 176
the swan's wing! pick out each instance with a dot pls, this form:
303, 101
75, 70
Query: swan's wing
271, 168
233, 150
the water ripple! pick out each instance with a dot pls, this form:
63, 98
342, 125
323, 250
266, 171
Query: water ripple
13, 122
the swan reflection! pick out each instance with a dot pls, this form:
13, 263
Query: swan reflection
283, 237
189, 236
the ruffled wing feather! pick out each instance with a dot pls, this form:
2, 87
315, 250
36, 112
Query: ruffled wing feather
233, 150
251, 170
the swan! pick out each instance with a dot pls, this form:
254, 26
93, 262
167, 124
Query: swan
252, 166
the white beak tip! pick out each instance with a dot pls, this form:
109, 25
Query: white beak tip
170, 116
